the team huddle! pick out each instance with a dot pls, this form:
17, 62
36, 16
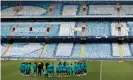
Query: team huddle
63, 69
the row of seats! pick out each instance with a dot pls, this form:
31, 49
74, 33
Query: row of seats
130, 25
101, 9
19, 49
95, 50
40, 29
98, 29
65, 10
24, 29
50, 51
91, 50
65, 30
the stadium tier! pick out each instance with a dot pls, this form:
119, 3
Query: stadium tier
71, 51
39, 19
92, 28
67, 50
46, 8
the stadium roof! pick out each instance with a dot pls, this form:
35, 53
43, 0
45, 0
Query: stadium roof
66, 0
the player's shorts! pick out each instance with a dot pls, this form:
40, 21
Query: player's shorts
46, 75
35, 70
50, 72
64, 71
84, 71
57, 72
68, 73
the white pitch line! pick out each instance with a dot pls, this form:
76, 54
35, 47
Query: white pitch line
101, 71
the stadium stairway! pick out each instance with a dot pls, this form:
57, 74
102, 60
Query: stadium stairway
82, 45
64, 49
43, 51
45, 48
120, 49
7, 50
82, 51
9, 45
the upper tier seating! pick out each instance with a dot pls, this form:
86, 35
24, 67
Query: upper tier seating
24, 10
127, 10
101, 10
69, 10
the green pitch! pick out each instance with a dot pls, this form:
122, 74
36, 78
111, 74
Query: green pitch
97, 70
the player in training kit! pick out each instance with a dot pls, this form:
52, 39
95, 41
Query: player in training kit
85, 68
68, 69
22, 69
52, 69
82, 67
72, 70
24, 72
78, 69
27, 69
64, 69
35, 68
61, 69
45, 73
57, 70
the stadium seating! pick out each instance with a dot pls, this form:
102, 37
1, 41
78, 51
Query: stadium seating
54, 30
76, 51
50, 51
98, 29
101, 10
66, 29
130, 25
80, 10
58, 10
126, 50
127, 10
5, 29
131, 49
94, 50
24, 11
23, 29
33, 54
65, 50
19, 49
69, 10
3, 47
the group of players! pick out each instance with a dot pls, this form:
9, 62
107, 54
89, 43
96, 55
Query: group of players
63, 69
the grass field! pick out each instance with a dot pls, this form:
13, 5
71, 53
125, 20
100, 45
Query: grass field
97, 70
